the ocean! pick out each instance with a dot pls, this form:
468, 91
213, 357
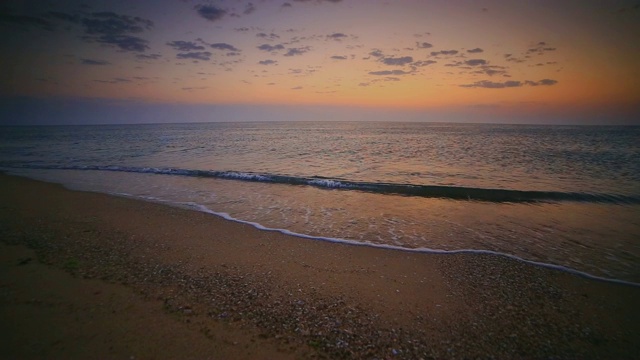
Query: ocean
560, 196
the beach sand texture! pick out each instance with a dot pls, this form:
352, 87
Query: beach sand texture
88, 275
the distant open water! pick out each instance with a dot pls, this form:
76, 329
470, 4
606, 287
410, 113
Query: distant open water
568, 197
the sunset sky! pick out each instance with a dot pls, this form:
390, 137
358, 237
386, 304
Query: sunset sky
413, 60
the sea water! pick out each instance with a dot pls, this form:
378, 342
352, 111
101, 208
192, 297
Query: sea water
566, 196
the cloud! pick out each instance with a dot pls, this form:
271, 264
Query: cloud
492, 70
224, 46
148, 57
376, 53
185, 45
509, 84
540, 48
423, 63
107, 27
475, 51
297, 51
318, 1
210, 12
110, 23
389, 72
267, 62
297, 88
444, 52
401, 61
270, 36
493, 85
197, 55
339, 57
363, 84
113, 81
284, 5
267, 47
543, 82
249, 8
93, 62
337, 36
194, 88
423, 45
475, 62
124, 42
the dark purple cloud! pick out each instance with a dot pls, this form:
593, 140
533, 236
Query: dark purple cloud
197, 55
339, 57
475, 62
444, 52
267, 47
400, 61
210, 12
423, 45
267, 62
185, 46
475, 51
224, 46
297, 51
389, 72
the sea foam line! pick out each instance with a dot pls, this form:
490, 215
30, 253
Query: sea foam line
226, 216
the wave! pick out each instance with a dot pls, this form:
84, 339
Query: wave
226, 216
428, 191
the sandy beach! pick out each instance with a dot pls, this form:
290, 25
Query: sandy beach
88, 275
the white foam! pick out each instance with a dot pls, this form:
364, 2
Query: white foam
226, 216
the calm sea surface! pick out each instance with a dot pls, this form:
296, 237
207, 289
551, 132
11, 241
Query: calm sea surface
560, 195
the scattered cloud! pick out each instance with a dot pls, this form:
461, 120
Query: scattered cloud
210, 12
268, 62
376, 53
389, 72
540, 48
337, 36
423, 63
148, 57
267, 47
297, 51
93, 62
509, 84
194, 88
543, 82
197, 55
423, 45
444, 52
475, 62
286, 5
110, 23
339, 57
475, 51
224, 46
185, 45
107, 27
400, 61
266, 36
249, 8
493, 85
124, 42
297, 88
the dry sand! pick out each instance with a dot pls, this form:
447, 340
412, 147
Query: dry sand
88, 275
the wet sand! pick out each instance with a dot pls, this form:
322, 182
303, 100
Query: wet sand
86, 275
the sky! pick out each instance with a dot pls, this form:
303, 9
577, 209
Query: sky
540, 62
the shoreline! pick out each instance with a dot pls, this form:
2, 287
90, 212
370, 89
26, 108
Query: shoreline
286, 232
202, 208
306, 298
